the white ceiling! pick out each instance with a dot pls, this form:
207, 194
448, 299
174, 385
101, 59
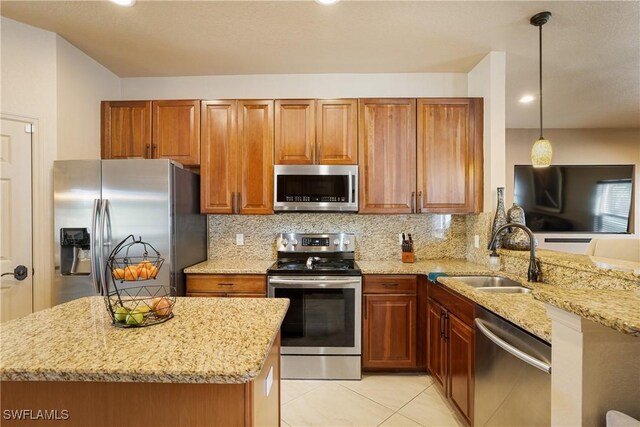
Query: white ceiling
591, 49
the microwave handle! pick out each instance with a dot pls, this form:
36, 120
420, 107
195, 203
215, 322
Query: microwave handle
351, 185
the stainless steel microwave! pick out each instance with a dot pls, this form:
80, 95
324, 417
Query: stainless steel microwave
329, 188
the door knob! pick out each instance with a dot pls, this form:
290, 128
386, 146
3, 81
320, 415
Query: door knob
20, 272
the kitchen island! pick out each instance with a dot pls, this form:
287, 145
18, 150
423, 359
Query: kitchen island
215, 363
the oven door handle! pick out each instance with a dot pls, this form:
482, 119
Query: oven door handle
315, 282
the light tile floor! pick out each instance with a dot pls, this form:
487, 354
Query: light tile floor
376, 400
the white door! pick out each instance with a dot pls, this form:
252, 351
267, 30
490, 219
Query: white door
16, 296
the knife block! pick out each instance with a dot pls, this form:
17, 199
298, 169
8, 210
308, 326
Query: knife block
408, 256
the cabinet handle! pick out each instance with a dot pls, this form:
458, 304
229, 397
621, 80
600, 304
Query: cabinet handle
225, 284
148, 151
239, 202
389, 285
413, 202
442, 315
153, 148
421, 204
446, 326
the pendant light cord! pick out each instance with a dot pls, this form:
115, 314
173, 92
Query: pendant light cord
540, 94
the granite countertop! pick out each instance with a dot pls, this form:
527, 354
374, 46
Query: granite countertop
522, 309
230, 266
449, 266
617, 309
573, 291
210, 340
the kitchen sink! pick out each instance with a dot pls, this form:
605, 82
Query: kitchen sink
486, 281
506, 290
493, 284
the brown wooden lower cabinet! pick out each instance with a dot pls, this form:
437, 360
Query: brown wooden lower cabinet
389, 324
450, 338
436, 358
106, 404
227, 285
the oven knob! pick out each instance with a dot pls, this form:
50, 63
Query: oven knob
347, 242
284, 242
294, 242
336, 242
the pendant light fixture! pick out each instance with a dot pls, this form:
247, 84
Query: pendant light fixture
541, 151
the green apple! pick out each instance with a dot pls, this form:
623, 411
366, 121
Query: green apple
135, 317
121, 314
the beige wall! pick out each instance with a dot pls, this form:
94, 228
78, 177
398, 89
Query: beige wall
296, 86
576, 147
488, 80
81, 84
50, 82
28, 77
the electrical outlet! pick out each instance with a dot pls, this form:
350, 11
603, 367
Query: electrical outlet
240, 239
476, 241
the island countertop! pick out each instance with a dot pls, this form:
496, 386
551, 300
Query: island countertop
210, 340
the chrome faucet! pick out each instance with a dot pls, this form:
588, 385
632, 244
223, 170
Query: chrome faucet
535, 273
311, 260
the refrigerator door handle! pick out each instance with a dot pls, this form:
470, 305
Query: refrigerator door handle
105, 225
95, 268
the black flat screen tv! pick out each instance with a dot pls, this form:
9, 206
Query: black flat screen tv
576, 198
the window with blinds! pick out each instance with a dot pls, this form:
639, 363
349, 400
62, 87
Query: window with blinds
613, 204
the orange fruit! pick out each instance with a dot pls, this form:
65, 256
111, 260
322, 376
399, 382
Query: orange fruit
145, 264
152, 271
118, 274
130, 273
143, 274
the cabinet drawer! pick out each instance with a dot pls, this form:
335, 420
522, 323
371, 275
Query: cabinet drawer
390, 284
227, 283
454, 303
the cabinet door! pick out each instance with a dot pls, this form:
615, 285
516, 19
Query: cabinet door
389, 331
126, 129
460, 361
387, 155
337, 131
449, 155
436, 359
176, 131
255, 156
218, 157
295, 132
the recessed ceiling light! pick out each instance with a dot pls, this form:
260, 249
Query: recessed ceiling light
126, 3
527, 98
327, 2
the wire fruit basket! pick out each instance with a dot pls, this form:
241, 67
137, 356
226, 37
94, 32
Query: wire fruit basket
130, 303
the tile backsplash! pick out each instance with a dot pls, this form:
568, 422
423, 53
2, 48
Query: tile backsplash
435, 236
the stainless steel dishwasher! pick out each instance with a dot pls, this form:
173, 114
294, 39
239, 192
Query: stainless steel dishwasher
512, 374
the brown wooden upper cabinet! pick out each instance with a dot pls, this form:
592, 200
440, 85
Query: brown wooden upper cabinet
436, 169
449, 154
237, 157
176, 131
152, 130
126, 129
387, 155
322, 131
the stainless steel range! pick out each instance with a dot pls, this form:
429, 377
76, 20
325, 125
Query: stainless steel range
321, 333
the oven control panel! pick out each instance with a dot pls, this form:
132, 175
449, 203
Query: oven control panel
307, 242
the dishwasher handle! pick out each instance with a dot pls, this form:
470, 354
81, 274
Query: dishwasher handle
537, 363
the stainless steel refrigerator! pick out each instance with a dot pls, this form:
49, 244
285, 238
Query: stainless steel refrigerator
98, 203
